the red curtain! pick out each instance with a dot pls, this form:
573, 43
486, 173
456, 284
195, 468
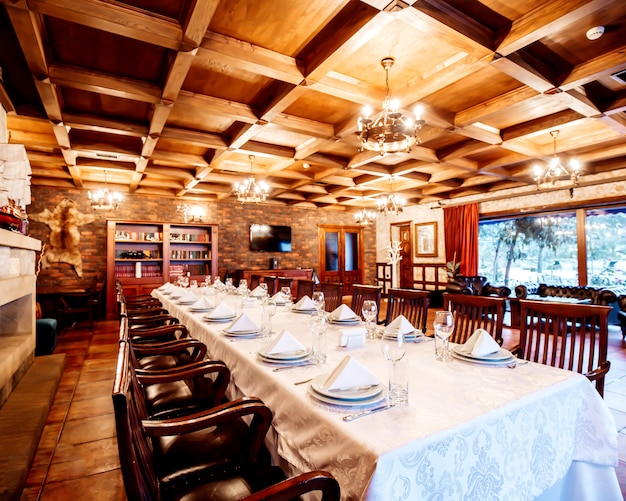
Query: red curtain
461, 235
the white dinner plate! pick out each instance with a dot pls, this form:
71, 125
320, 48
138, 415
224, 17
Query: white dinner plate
219, 319
346, 321
306, 312
349, 403
501, 355
289, 355
199, 310
317, 386
250, 333
295, 361
186, 302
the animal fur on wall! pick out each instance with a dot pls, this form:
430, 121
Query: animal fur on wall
64, 222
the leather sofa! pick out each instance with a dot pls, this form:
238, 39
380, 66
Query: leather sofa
595, 295
475, 286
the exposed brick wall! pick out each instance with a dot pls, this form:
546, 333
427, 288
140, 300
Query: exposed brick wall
233, 219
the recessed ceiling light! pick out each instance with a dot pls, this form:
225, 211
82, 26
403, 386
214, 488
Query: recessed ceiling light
595, 32
306, 165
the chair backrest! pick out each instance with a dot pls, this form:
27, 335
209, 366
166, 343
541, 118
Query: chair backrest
140, 479
292, 488
304, 288
271, 281
361, 293
413, 304
568, 336
285, 282
475, 312
255, 280
332, 295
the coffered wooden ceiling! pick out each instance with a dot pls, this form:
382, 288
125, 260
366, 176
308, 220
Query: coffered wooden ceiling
170, 97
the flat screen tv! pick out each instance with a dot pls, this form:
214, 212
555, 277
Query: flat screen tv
270, 238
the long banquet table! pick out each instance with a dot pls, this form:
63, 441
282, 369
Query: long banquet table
469, 431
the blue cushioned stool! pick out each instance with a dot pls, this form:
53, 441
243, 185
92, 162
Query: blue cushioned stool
46, 329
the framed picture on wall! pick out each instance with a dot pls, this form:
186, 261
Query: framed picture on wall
426, 239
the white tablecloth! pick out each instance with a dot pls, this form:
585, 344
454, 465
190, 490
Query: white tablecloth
469, 431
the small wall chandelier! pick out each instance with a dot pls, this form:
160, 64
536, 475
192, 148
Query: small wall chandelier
249, 191
364, 217
556, 170
389, 131
103, 199
390, 203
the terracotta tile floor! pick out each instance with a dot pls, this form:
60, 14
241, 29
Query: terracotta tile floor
77, 458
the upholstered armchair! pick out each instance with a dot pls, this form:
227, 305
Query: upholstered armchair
475, 286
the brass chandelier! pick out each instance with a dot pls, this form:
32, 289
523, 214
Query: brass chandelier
556, 169
390, 203
364, 217
103, 199
389, 131
249, 191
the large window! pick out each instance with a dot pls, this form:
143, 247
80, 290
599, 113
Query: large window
550, 249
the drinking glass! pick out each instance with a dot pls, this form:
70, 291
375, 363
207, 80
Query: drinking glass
370, 310
319, 325
318, 300
269, 310
264, 290
444, 326
207, 280
393, 347
286, 292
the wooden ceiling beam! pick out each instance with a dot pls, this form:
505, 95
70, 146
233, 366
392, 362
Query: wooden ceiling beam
116, 18
105, 125
482, 110
546, 19
216, 106
540, 125
194, 137
252, 58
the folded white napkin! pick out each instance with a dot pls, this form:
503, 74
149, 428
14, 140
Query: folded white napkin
178, 293
352, 337
166, 286
204, 303
284, 343
187, 297
221, 310
258, 292
402, 324
305, 303
243, 323
480, 344
349, 373
342, 312
279, 298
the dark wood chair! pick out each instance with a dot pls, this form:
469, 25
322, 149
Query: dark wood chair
413, 304
255, 280
285, 282
568, 336
272, 282
475, 312
333, 295
304, 288
76, 306
361, 293
210, 455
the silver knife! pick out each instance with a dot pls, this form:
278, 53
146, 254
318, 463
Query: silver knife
287, 367
357, 415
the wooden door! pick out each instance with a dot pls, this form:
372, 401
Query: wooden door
341, 255
406, 251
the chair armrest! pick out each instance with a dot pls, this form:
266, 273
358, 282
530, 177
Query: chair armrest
294, 487
242, 407
198, 349
159, 333
516, 350
189, 372
599, 372
146, 323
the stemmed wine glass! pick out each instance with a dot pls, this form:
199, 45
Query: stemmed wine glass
286, 292
264, 290
370, 310
393, 346
444, 326
269, 310
318, 300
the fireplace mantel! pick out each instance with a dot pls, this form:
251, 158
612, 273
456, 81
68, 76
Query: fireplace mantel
17, 308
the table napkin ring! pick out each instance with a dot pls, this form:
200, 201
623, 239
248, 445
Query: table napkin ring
352, 340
